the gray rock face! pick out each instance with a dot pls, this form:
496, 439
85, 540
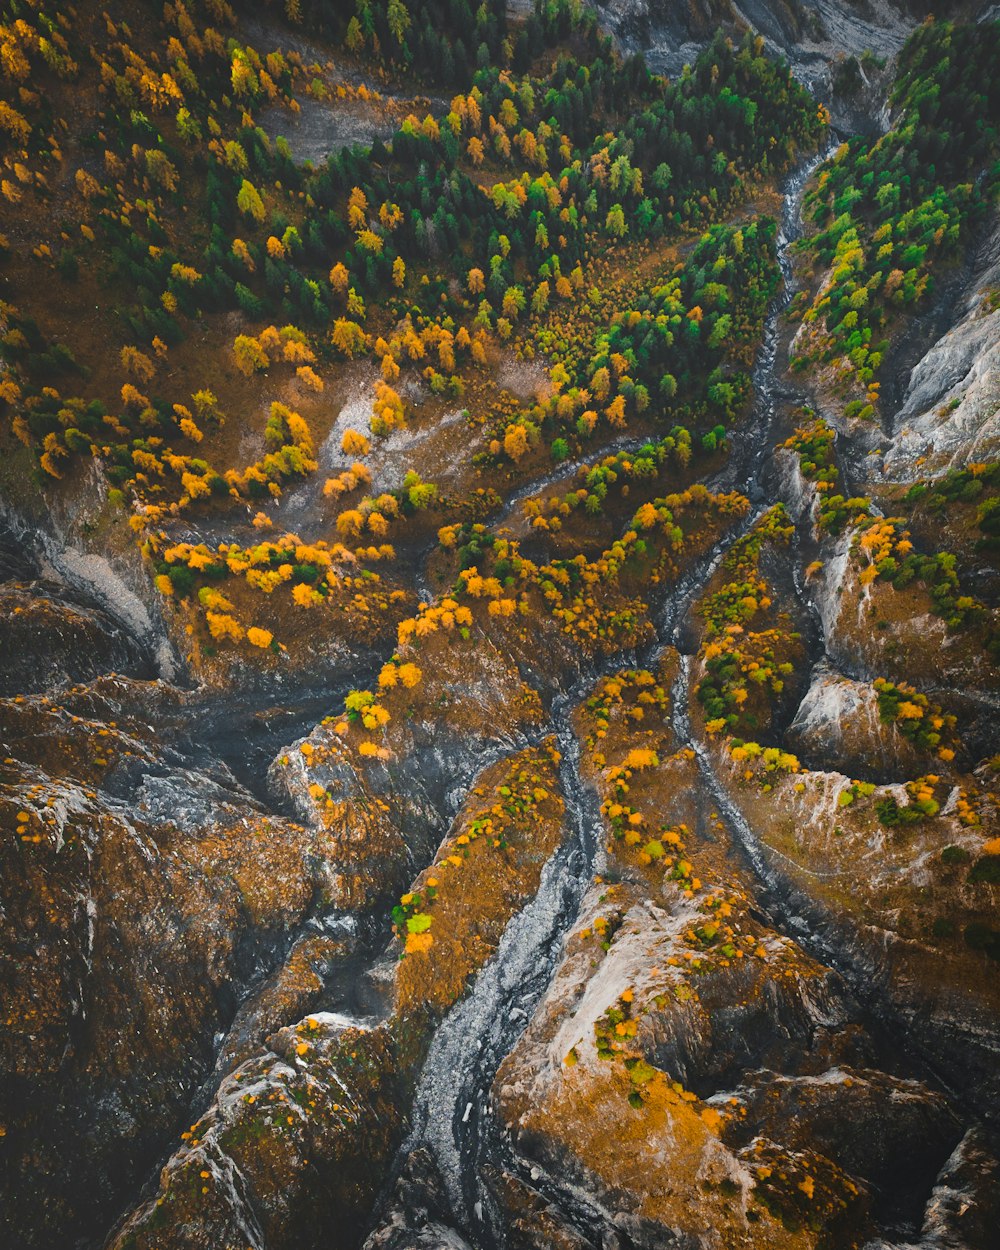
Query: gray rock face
155, 896
812, 34
743, 1023
964, 1207
416, 1213
951, 410
322, 129
800, 495
191, 800
54, 544
892, 1133
837, 726
48, 641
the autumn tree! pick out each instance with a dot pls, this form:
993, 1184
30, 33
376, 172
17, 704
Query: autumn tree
249, 355
354, 444
398, 21
515, 441
615, 223
340, 279
137, 364
248, 201
347, 337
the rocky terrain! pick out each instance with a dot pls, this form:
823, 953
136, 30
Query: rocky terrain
569, 827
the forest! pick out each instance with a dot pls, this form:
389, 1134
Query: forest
499, 518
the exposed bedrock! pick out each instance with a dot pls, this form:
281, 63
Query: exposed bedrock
950, 410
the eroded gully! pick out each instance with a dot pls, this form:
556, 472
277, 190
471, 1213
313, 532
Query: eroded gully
452, 1116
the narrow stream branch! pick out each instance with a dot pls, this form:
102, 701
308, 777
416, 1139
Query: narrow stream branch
451, 1115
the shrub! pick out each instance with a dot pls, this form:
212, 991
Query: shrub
980, 937
986, 870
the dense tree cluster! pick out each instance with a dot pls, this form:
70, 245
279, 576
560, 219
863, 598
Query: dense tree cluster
886, 212
675, 343
527, 180
444, 41
748, 651
977, 485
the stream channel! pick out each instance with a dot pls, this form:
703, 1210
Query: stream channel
452, 1116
